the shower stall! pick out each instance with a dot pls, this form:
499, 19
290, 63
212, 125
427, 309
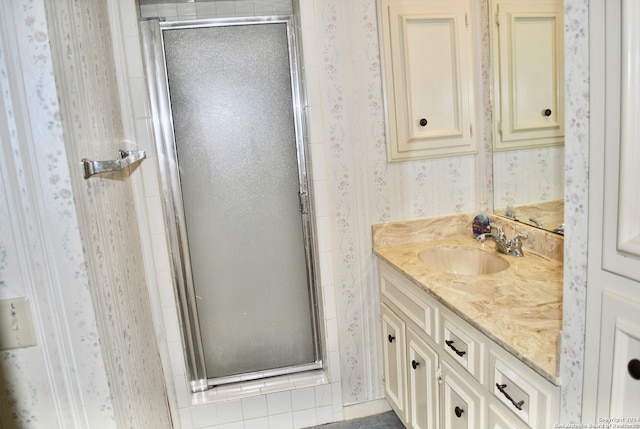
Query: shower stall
229, 119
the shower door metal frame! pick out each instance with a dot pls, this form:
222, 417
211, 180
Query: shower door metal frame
153, 47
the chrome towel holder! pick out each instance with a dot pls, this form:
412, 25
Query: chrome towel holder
127, 158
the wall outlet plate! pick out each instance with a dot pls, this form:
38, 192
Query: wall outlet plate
16, 324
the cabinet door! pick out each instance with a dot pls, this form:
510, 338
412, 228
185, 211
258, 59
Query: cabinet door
393, 350
428, 77
461, 405
423, 384
528, 73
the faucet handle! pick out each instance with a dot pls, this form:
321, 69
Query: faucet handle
519, 236
500, 231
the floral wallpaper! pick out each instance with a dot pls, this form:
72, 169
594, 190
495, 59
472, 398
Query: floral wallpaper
86, 79
576, 210
61, 381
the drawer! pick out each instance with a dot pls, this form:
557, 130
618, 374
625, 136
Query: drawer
500, 418
464, 345
409, 299
523, 393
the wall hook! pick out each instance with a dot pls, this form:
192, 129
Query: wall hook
127, 157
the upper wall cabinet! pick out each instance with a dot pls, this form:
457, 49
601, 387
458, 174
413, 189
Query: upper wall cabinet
428, 74
528, 73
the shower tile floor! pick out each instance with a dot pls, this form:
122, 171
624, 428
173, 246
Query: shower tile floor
386, 420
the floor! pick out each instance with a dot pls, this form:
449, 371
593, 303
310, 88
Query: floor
386, 420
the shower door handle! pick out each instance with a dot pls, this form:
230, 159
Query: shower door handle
127, 158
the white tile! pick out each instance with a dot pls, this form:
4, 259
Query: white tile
303, 399
259, 423
204, 415
165, 289
206, 10
133, 56
148, 11
312, 83
336, 389
145, 139
318, 160
321, 200
332, 335
150, 179
229, 411
315, 117
225, 9
236, 425
282, 7
324, 234
167, 10
281, 421
139, 97
185, 418
176, 356
329, 302
244, 8
171, 325
182, 391
129, 17
154, 215
326, 269
279, 402
186, 10
323, 395
254, 407
160, 252
334, 367
324, 414
305, 418
263, 8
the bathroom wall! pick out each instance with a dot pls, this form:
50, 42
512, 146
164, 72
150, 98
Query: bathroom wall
69, 245
60, 382
355, 186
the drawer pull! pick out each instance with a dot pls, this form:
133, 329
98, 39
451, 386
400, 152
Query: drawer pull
458, 411
634, 368
503, 390
452, 347
391, 338
415, 364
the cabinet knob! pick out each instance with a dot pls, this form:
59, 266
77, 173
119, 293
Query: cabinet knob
547, 112
458, 411
414, 364
423, 122
634, 368
391, 338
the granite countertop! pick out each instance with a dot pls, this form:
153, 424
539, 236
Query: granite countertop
520, 308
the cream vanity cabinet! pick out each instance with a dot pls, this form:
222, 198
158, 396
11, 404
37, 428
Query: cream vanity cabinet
428, 77
528, 73
440, 372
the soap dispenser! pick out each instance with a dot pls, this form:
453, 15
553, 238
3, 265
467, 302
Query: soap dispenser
481, 223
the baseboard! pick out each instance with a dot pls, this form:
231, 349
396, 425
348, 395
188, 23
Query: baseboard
364, 409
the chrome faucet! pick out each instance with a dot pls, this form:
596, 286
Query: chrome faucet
508, 247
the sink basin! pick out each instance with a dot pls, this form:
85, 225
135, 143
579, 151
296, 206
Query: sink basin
466, 261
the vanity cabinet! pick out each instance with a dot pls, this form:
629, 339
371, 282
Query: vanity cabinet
428, 77
441, 372
528, 73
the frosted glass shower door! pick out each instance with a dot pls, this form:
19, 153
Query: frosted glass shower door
233, 109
